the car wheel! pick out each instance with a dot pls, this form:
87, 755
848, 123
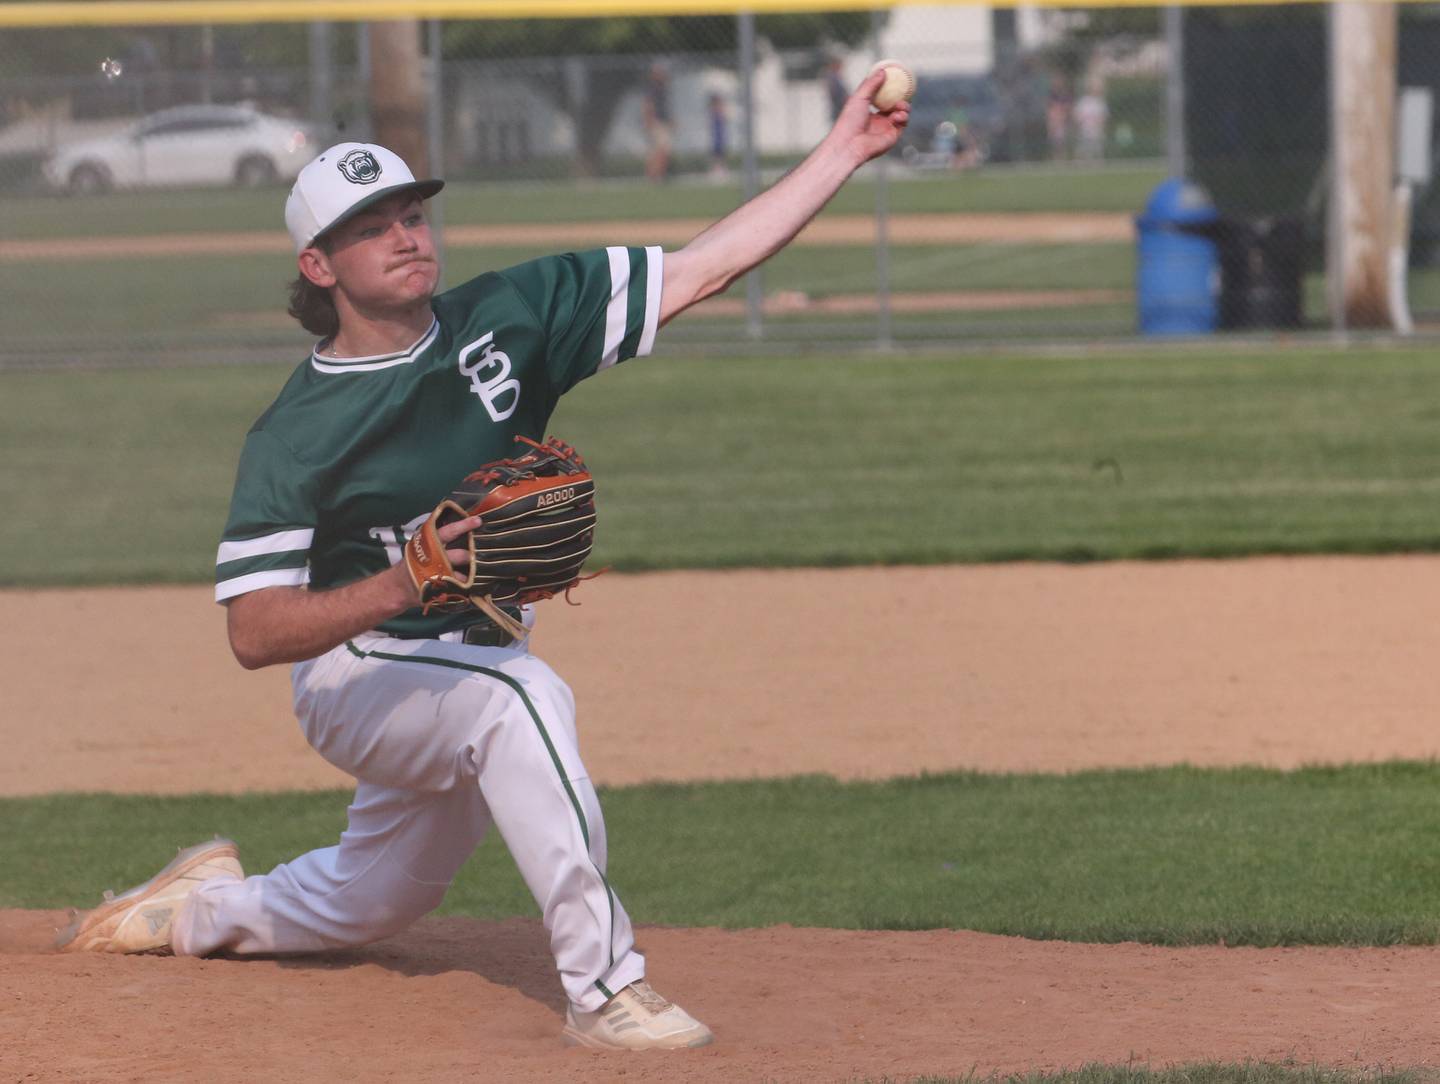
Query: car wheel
88, 179
254, 171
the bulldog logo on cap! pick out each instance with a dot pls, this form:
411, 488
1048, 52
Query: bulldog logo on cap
359, 167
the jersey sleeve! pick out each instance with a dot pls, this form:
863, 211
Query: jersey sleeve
272, 521
595, 308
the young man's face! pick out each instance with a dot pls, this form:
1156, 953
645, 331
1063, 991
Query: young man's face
384, 257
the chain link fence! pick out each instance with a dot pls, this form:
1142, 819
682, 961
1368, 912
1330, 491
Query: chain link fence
143, 170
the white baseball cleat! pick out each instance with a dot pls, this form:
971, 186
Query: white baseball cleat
637, 1018
140, 919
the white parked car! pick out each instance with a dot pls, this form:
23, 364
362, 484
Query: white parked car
188, 145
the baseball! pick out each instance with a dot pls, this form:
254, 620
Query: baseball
899, 85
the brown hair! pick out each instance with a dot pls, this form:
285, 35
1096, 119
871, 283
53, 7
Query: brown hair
312, 305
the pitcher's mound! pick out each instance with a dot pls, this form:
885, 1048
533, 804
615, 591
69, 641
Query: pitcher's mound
454, 999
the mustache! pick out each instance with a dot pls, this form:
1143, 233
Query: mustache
410, 260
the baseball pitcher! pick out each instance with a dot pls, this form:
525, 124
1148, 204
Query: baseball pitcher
397, 515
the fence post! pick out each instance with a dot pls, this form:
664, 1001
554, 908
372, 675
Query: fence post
435, 137
207, 62
1175, 154
322, 72
884, 323
362, 77
754, 289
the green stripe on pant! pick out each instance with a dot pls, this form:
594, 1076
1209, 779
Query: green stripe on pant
544, 736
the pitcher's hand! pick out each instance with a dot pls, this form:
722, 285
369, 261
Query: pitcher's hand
862, 132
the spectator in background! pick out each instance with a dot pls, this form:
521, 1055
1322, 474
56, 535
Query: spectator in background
719, 138
965, 151
1057, 118
657, 123
835, 87
1091, 117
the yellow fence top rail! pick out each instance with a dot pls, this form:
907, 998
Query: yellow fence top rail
47, 13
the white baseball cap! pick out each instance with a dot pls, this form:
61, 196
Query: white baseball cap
343, 181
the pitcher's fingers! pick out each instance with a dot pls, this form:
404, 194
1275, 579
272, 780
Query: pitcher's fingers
452, 531
870, 84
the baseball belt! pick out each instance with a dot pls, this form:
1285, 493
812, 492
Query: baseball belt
487, 635
481, 634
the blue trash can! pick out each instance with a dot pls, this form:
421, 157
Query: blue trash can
1177, 277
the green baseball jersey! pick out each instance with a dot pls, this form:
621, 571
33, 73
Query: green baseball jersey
355, 452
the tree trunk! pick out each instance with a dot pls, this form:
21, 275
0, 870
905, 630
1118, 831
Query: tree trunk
397, 92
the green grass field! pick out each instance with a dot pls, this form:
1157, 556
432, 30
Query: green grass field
1121, 188
1174, 856
171, 306
852, 459
865, 459
152, 306
110, 303
175, 304
228, 306
1202, 1073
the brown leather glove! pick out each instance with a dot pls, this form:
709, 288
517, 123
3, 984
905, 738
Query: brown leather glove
537, 527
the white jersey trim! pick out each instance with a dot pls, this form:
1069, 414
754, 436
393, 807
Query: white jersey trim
279, 542
375, 361
275, 577
618, 308
654, 281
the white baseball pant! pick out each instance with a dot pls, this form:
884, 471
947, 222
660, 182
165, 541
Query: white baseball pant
444, 738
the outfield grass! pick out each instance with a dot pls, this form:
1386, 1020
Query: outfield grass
813, 460
1099, 327
465, 202
172, 304
167, 307
848, 270
1250, 1072
1173, 856
242, 298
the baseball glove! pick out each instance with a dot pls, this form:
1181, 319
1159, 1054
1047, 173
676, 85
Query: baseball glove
537, 526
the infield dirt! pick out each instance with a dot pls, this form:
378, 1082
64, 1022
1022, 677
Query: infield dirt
861, 673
